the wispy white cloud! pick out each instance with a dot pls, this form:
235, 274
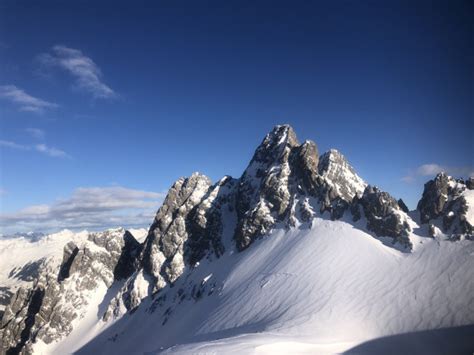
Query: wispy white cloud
41, 148
36, 132
13, 145
51, 151
433, 169
24, 101
87, 74
87, 207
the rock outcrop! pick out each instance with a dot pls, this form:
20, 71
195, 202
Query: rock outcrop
188, 227
340, 175
445, 205
163, 254
385, 217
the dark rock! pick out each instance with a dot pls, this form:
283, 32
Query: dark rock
383, 215
470, 183
29, 272
339, 207
443, 203
403, 206
305, 162
128, 260
205, 222
70, 252
431, 231
355, 209
435, 195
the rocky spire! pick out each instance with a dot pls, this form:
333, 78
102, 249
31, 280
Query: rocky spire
267, 189
163, 254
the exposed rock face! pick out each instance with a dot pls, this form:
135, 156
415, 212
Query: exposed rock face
340, 184
276, 185
305, 161
340, 175
163, 256
70, 252
61, 294
470, 183
264, 194
403, 206
187, 228
435, 196
384, 215
206, 222
445, 205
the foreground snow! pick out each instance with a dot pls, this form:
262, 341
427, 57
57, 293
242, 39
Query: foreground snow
323, 288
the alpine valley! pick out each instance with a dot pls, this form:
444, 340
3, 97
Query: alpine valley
298, 255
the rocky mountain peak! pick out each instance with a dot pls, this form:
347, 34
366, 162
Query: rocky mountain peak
281, 135
274, 144
279, 169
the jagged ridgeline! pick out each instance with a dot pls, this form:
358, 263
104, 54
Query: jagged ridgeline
287, 184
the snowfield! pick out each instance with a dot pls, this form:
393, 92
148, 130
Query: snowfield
327, 287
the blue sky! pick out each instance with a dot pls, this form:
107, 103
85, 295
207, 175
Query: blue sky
103, 106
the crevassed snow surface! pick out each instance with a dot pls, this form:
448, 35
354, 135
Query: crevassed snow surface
323, 288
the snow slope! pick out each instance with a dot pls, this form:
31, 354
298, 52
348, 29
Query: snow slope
323, 288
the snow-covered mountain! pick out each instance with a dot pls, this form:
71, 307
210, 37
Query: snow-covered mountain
297, 255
